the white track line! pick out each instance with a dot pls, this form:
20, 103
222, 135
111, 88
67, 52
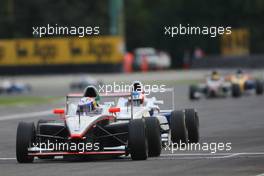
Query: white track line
26, 115
195, 156
262, 174
212, 154
208, 155
7, 158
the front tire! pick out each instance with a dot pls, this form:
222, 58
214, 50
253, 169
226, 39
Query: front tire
153, 136
25, 137
192, 124
137, 140
178, 127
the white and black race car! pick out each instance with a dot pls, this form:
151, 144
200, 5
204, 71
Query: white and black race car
176, 126
86, 128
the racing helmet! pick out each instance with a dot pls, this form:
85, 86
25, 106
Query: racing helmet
215, 75
137, 86
239, 73
86, 105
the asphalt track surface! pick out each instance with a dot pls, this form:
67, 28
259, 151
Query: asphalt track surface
239, 121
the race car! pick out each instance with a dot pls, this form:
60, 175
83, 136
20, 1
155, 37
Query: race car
176, 126
84, 82
155, 59
214, 86
85, 122
244, 83
10, 87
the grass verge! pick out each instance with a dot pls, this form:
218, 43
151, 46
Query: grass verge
26, 100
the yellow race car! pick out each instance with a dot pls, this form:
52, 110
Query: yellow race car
242, 83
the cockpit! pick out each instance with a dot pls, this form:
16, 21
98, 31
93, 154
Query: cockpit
86, 106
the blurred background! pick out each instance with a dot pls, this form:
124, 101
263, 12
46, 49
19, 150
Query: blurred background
131, 35
37, 73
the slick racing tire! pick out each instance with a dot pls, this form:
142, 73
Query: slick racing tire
137, 140
236, 91
259, 87
153, 136
192, 91
192, 124
25, 137
178, 127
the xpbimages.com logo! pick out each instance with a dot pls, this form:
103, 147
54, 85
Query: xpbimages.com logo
62, 146
212, 147
123, 88
56, 30
212, 31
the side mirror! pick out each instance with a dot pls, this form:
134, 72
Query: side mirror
58, 111
113, 110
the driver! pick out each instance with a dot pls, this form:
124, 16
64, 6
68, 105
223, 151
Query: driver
215, 76
86, 105
137, 93
137, 86
239, 73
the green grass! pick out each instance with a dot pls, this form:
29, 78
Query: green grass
26, 100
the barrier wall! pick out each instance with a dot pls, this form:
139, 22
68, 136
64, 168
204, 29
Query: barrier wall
30, 53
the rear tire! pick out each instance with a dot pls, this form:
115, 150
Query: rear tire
259, 87
153, 136
25, 137
192, 124
137, 140
178, 127
236, 91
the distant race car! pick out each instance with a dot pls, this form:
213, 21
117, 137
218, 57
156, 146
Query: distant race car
154, 58
232, 85
215, 86
85, 122
9, 87
244, 83
84, 82
175, 126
